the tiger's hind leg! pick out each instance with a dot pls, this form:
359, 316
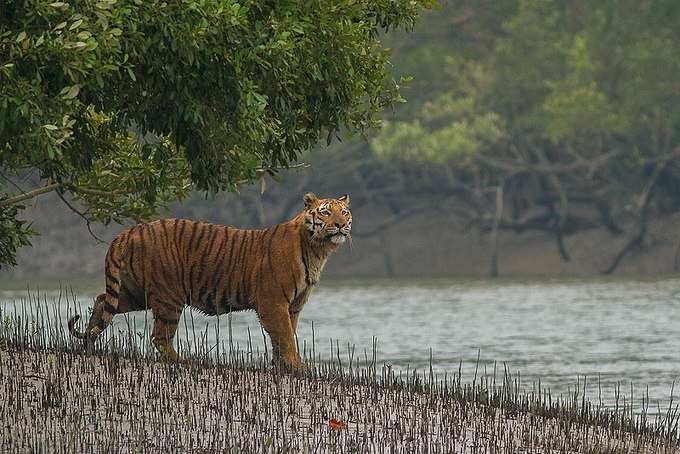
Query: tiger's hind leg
165, 324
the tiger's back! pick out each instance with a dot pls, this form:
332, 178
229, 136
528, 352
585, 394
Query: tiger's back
178, 262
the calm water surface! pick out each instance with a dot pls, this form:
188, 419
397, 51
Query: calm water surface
617, 332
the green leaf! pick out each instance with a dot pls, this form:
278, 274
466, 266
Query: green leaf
50, 127
72, 92
76, 24
21, 37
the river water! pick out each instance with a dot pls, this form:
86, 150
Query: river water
615, 333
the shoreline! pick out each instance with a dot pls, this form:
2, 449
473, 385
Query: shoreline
94, 283
112, 401
120, 397
405, 250
560, 346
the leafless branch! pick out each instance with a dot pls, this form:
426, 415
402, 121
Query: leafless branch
82, 215
519, 167
389, 223
11, 182
30, 194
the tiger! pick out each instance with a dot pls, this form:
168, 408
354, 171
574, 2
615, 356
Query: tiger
168, 264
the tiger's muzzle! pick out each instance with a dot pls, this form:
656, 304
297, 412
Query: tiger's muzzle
338, 235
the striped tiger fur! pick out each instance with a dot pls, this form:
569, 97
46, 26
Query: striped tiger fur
168, 264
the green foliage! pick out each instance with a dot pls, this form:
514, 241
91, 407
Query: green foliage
449, 129
219, 90
557, 101
134, 178
14, 234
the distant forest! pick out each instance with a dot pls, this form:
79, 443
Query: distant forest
536, 137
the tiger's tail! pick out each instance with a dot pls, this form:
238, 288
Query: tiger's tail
95, 326
106, 304
72, 328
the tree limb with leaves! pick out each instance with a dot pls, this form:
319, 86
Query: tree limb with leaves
127, 105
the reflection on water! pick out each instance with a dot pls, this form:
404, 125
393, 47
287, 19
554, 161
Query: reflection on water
614, 332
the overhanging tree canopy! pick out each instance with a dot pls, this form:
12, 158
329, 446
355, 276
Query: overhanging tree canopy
128, 104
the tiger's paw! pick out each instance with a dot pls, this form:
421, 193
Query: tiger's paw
296, 367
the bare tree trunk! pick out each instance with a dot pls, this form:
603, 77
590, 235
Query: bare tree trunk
637, 240
560, 245
493, 269
387, 256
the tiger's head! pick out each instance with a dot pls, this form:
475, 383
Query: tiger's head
328, 220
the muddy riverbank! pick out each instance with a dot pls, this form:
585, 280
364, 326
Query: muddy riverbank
63, 401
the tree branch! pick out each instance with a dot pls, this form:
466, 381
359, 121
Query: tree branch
9, 180
515, 167
389, 223
91, 191
55, 186
30, 194
82, 215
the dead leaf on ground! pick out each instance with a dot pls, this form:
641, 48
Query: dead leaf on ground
337, 425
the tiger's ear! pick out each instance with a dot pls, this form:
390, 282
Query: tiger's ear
344, 199
310, 199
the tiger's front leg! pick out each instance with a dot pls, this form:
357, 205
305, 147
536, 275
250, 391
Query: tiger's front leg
294, 317
276, 320
296, 306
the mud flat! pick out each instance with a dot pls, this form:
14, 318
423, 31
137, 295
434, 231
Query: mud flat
67, 401
55, 397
